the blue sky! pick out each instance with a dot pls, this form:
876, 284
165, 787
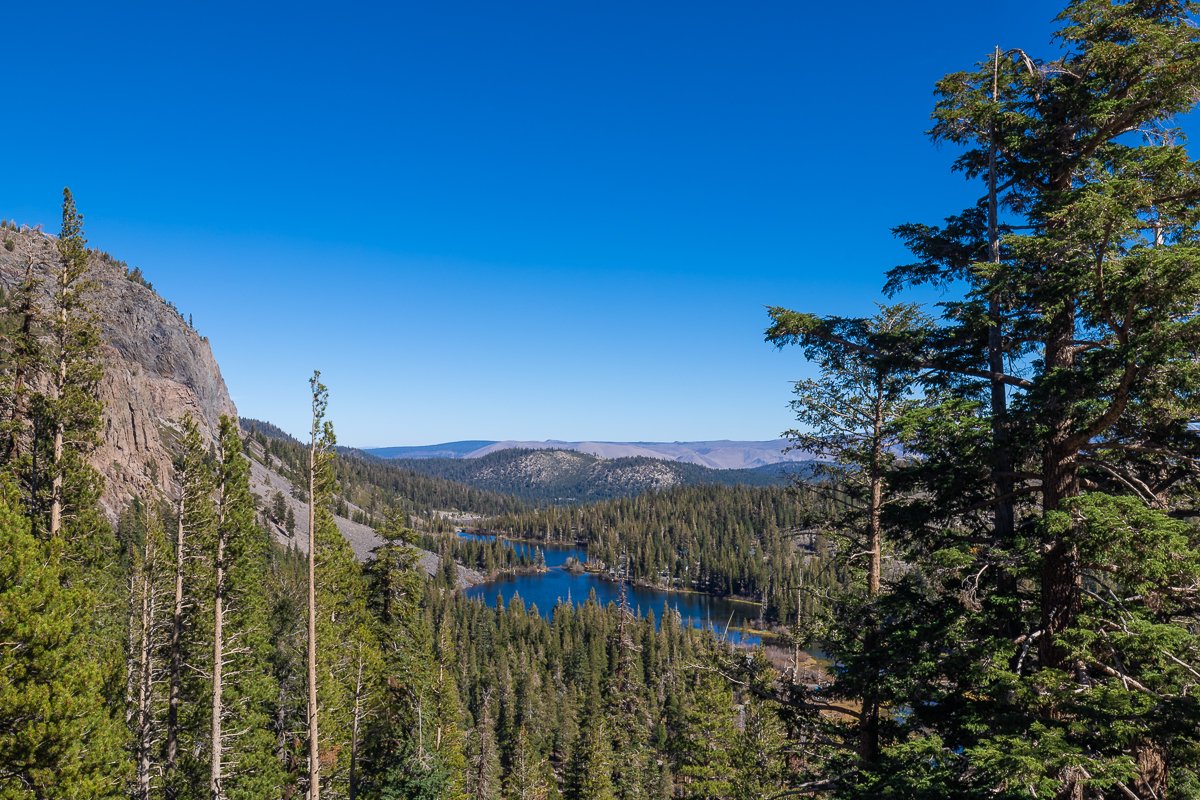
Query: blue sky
497, 220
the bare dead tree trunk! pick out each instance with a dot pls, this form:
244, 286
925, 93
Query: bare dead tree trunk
875, 507
60, 383
796, 649
145, 715
176, 645
214, 784
355, 726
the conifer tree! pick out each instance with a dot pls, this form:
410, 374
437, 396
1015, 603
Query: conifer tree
72, 409
58, 737
853, 416
244, 689
1080, 304
193, 515
759, 758
403, 737
707, 738
22, 365
318, 460
589, 773
527, 778
149, 592
484, 775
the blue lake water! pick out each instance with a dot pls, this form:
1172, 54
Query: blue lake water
545, 590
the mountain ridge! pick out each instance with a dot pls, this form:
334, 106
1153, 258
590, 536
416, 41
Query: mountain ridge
712, 453
557, 477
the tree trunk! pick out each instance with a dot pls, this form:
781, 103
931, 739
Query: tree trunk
214, 784
868, 726
176, 648
145, 716
1002, 467
354, 729
1060, 580
56, 481
1152, 771
314, 762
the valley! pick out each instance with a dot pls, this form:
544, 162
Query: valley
953, 552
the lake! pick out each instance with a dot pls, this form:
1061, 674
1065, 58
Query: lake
546, 589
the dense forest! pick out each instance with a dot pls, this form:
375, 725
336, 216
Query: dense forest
766, 544
1008, 502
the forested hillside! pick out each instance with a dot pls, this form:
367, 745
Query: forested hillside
765, 544
375, 487
184, 653
999, 561
560, 477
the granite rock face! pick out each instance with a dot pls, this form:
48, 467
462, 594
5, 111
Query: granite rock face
157, 369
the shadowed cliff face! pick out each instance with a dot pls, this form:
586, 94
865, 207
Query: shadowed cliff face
156, 370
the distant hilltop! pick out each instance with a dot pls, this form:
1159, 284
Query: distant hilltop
720, 454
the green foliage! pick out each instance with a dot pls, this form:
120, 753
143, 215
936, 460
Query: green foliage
58, 735
724, 540
1044, 616
378, 487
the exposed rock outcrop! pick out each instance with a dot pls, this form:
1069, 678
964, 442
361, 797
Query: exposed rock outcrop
156, 370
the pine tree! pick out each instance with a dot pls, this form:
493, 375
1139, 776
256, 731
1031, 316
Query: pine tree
403, 749
527, 779
245, 693
71, 411
193, 515
589, 773
318, 460
707, 739
149, 592
22, 365
759, 757
58, 737
1062, 383
484, 774
853, 417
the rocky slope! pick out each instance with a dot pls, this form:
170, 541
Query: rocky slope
156, 370
266, 478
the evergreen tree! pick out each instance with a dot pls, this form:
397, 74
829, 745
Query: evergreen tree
707, 739
70, 413
58, 737
484, 775
320, 444
589, 774
149, 596
22, 365
1062, 386
193, 516
244, 694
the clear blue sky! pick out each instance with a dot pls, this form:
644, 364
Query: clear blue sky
497, 220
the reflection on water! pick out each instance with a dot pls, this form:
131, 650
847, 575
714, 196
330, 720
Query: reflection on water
546, 589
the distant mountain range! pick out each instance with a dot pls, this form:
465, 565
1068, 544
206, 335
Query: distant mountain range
556, 476
720, 454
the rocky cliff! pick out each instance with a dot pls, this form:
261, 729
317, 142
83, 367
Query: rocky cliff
156, 369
